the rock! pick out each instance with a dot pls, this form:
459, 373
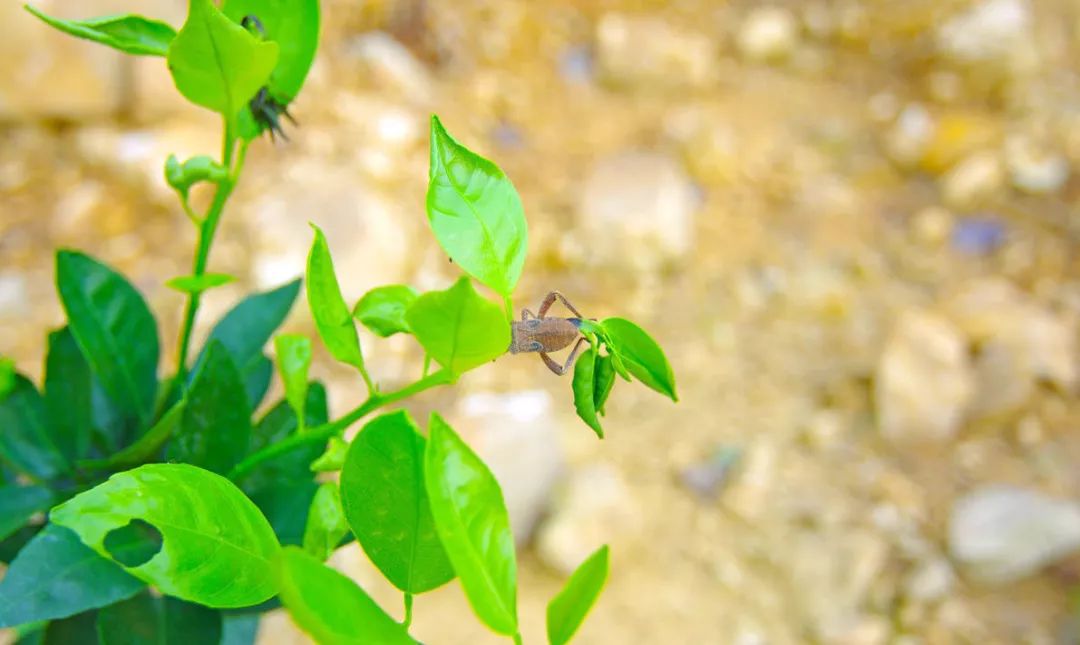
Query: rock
517, 437
768, 34
857, 630
930, 581
13, 295
391, 64
907, 140
958, 135
1000, 534
932, 225
637, 211
647, 52
593, 508
974, 181
994, 34
1033, 170
924, 379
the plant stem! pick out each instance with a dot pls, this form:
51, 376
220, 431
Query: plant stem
517, 638
322, 433
408, 610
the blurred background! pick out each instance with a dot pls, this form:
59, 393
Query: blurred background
852, 225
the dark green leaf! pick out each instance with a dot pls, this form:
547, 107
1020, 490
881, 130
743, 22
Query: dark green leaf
458, 327
239, 629
584, 387
568, 609
68, 399
325, 522
10, 546
160, 620
114, 329
294, 359
641, 355
382, 490
146, 446
331, 607
132, 34
215, 429
80, 628
294, 26
199, 283
218, 548
603, 381
382, 310
218, 64
25, 440
473, 524
475, 213
336, 327
56, 575
285, 504
277, 424
18, 503
247, 328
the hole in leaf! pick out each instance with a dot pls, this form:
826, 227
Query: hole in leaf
134, 544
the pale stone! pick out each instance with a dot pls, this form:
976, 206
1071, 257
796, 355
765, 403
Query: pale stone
974, 181
995, 33
1034, 170
768, 34
393, 65
930, 580
646, 52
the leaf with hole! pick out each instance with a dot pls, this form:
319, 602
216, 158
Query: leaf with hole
382, 310
326, 524
218, 548
132, 34
641, 355
568, 609
458, 327
473, 525
330, 607
386, 503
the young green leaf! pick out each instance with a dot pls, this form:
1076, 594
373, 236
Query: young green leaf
333, 458
146, 446
603, 381
68, 402
382, 310
294, 26
218, 64
246, 329
7, 376
25, 440
56, 575
331, 607
215, 429
336, 327
568, 609
114, 328
386, 503
473, 524
199, 283
585, 394
18, 503
294, 359
132, 34
325, 522
182, 176
218, 548
641, 355
161, 620
458, 327
475, 213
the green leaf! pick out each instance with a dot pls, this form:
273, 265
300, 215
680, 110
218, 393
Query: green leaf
276, 425
215, 429
473, 524
285, 503
641, 355
585, 393
114, 329
199, 283
7, 376
68, 400
146, 446
131, 33
458, 327
336, 327
182, 176
294, 26
218, 548
382, 491
239, 629
382, 310
325, 522
331, 607
294, 359
80, 628
333, 458
56, 575
603, 381
18, 503
160, 620
25, 440
245, 330
475, 213
568, 609
218, 64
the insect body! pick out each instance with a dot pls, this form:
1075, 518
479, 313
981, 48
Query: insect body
537, 333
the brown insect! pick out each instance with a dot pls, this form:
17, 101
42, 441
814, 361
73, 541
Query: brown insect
537, 333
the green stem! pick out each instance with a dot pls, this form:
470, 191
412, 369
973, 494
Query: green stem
408, 610
427, 364
323, 433
517, 638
